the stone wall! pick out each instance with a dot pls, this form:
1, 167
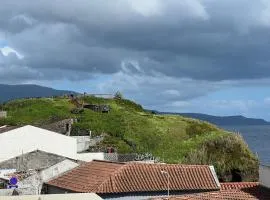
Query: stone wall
63, 126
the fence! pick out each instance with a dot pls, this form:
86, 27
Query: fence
128, 157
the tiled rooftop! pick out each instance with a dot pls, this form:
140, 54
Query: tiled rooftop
108, 177
238, 185
230, 191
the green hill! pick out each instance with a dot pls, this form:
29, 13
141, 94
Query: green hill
171, 138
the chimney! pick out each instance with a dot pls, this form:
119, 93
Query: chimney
69, 126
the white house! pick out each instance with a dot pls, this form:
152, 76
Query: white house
29, 138
16, 142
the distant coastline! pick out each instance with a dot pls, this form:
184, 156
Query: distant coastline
222, 120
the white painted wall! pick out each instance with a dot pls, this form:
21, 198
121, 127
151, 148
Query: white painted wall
33, 184
56, 170
29, 138
5, 192
4, 172
264, 174
87, 157
83, 143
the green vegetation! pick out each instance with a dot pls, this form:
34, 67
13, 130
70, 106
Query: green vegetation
172, 139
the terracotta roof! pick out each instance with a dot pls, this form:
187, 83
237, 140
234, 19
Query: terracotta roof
238, 185
231, 191
108, 177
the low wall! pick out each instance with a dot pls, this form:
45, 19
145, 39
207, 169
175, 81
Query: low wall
87, 157
264, 174
6, 192
83, 143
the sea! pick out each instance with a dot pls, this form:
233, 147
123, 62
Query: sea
257, 138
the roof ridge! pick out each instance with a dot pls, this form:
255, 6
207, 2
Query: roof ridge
164, 164
112, 176
107, 161
36, 150
225, 183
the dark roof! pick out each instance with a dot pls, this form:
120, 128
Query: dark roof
32, 160
4, 129
109, 177
231, 191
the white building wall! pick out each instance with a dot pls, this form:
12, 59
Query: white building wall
83, 143
87, 157
56, 170
33, 184
264, 174
4, 172
5, 192
29, 138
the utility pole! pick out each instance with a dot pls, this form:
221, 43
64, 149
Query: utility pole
168, 182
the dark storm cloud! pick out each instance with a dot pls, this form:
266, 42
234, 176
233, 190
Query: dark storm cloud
198, 39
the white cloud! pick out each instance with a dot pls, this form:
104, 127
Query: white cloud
147, 8
264, 16
172, 92
8, 50
22, 18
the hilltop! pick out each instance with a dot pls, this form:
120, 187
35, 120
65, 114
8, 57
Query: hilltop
10, 92
131, 129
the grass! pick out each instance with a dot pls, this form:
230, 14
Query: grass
172, 139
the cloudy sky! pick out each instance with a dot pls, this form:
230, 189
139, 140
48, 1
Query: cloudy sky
209, 56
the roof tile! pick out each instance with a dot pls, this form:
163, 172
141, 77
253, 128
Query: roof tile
109, 177
230, 191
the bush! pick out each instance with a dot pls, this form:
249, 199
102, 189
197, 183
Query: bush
227, 153
198, 128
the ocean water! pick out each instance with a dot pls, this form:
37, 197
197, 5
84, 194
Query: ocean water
257, 138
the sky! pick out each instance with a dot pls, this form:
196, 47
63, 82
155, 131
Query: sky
204, 56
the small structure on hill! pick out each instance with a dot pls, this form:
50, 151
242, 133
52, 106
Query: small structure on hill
81, 105
3, 114
104, 96
97, 108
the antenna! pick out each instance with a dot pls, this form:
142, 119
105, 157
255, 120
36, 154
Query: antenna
21, 162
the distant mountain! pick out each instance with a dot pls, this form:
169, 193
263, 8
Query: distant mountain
10, 92
222, 121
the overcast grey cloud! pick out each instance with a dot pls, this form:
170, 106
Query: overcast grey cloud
141, 45
199, 39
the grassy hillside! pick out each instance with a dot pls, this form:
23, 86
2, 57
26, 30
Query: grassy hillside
128, 127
